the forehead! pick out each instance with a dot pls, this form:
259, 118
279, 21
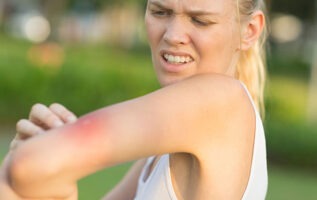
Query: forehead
215, 6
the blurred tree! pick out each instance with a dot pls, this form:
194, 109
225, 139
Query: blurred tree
303, 9
122, 1
100, 3
312, 106
52, 10
6, 9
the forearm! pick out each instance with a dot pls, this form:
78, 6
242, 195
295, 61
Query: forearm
58, 158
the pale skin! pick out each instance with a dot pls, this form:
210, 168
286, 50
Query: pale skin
202, 116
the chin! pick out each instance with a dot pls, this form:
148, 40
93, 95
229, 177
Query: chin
169, 79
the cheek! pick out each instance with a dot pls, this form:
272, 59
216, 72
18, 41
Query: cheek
216, 49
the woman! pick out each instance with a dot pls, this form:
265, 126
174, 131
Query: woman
199, 137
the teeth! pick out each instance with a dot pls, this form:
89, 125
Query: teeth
177, 59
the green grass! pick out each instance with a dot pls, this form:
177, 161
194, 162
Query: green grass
291, 184
97, 185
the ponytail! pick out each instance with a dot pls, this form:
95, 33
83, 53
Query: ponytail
251, 67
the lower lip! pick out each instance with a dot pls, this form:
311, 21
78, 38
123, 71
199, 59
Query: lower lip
173, 68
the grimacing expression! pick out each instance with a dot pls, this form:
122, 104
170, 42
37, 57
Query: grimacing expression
189, 37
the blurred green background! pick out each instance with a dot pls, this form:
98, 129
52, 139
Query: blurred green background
88, 54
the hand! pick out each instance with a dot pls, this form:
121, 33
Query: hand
41, 118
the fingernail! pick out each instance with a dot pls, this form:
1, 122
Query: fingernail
71, 119
58, 124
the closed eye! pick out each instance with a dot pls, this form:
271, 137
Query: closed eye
201, 22
161, 13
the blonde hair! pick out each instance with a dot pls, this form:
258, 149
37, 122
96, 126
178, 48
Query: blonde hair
251, 67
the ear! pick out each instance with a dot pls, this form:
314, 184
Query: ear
252, 30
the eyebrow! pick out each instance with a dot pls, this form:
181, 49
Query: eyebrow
191, 12
158, 4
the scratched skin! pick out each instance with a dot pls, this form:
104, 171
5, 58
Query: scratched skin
90, 133
88, 128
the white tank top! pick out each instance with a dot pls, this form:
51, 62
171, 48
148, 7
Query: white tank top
158, 185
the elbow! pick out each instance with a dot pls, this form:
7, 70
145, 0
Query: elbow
16, 174
26, 175
20, 173
35, 175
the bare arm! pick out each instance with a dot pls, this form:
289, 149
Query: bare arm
178, 118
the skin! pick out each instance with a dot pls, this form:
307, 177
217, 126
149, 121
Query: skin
190, 116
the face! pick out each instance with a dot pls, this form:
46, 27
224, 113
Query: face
189, 37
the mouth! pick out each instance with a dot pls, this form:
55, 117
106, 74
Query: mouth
177, 59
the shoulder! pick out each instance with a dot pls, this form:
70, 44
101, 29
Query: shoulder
219, 93
228, 98
220, 99
215, 86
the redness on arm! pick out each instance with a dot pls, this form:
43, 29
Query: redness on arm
88, 128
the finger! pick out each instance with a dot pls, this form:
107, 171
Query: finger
26, 129
63, 113
44, 117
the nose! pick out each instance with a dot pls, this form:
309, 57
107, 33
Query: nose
176, 32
